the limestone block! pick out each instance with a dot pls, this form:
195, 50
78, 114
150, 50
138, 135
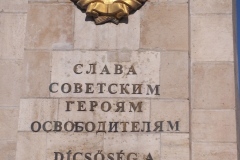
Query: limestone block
175, 146
98, 114
69, 1
42, 0
211, 6
31, 146
214, 151
40, 110
125, 35
37, 74
50, 26
7, 150
13, 6
8, 123
142, 144
146, 64
164, 26
11, 82
119, 56
12, 34
174, 75
167, 1
77, 142
169, 110
213, 126
153, 1
212, 37
213, 85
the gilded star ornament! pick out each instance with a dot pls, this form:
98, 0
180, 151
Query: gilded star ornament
108, 10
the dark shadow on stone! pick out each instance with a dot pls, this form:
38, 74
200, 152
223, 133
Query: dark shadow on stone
124, 20
88, 18
83, 11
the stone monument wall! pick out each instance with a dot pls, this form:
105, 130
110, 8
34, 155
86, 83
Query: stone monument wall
158, 86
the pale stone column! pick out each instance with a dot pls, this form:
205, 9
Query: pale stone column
13, 16
165, 27
58, 36
189, 43
49, 27
213, 108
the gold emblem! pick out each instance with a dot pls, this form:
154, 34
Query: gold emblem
108, 10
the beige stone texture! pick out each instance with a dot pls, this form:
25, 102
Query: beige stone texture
164, 26
40, 110
175, 146
37, 67
125, 35
172, 1
153, 1
142, 144
76, 142
212, 37
119, 56
31, 146
7, 150
50, 26
99, 115
174, 75
69, 1
13, 6
43, 1
211, 6
170, 110
11, 82
213, 85
8, 123
12, 35
64, 62
214, 151
213, 126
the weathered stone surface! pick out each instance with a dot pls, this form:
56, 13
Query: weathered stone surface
13, 6
211, 6
8, 123
69, 1
173, 1
7, 150
11, 82
40, 110
119, 56
64, 62
50, 26
12, 34
214, 151
37, 67
77, 142
213, 126
164, 26
212, 37
175, 146
43, 1
31, 146
213, 85
87, 35
169, 110
174, 75
143, 144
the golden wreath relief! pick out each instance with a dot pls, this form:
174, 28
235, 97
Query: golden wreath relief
108, 10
